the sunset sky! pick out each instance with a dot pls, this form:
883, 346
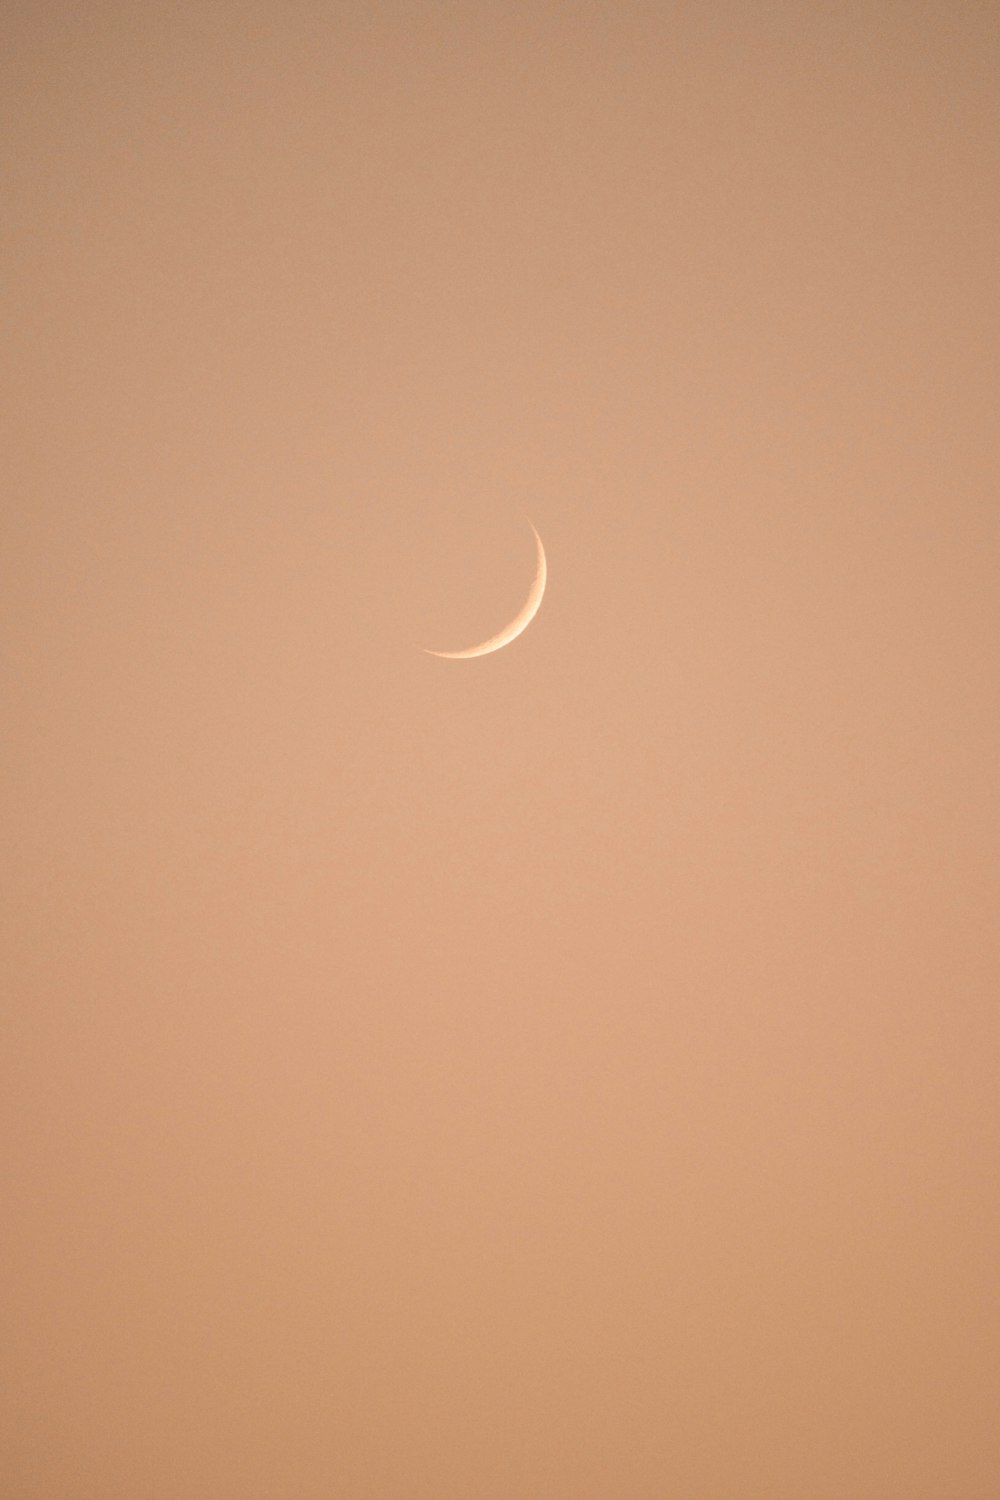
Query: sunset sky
568, 1074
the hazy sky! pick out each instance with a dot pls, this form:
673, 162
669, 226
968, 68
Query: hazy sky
569, 1074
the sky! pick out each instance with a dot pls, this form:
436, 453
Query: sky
569, 1073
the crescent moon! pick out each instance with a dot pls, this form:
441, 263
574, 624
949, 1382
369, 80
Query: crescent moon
521, 620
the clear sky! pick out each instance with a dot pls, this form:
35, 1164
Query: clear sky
569, 1074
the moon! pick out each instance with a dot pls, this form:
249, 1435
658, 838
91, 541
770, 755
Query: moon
521, 620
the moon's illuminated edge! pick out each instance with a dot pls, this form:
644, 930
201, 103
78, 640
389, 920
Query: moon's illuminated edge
521, 620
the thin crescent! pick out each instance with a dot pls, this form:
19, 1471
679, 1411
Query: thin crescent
521, 620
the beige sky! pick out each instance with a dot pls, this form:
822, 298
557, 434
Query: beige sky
571, 1073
